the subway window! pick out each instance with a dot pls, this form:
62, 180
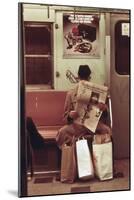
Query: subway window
38, 54
122, 47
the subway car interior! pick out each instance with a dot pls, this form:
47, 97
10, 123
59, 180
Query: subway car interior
54, 41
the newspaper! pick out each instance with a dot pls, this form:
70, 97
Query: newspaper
88, 96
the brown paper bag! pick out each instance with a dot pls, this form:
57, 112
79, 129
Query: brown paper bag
68, 164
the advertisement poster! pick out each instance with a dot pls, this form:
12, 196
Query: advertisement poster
81, 35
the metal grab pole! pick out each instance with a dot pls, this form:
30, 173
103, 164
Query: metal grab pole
110, 111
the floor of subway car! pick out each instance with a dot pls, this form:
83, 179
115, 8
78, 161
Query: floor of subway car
48, 184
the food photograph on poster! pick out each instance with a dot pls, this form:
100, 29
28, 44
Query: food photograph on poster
74, 99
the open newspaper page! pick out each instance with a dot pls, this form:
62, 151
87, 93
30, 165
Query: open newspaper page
88, 96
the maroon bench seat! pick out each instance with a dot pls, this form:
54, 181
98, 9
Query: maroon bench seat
46, 109
48, 132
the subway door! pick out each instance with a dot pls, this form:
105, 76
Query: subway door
119, 86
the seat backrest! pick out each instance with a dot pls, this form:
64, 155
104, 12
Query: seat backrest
46, 107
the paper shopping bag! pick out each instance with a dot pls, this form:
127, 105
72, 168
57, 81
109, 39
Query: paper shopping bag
68, 164
103, 162
84, 160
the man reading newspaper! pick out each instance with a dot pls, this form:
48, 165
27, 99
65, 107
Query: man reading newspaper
90, 98
83, 108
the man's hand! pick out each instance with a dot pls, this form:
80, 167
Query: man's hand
102, 106
73, 114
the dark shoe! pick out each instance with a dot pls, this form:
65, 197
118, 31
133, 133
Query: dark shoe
57, 178
119, 175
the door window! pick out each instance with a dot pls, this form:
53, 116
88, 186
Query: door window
122, 47
38, 54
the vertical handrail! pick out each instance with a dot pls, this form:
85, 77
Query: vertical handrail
110, 112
